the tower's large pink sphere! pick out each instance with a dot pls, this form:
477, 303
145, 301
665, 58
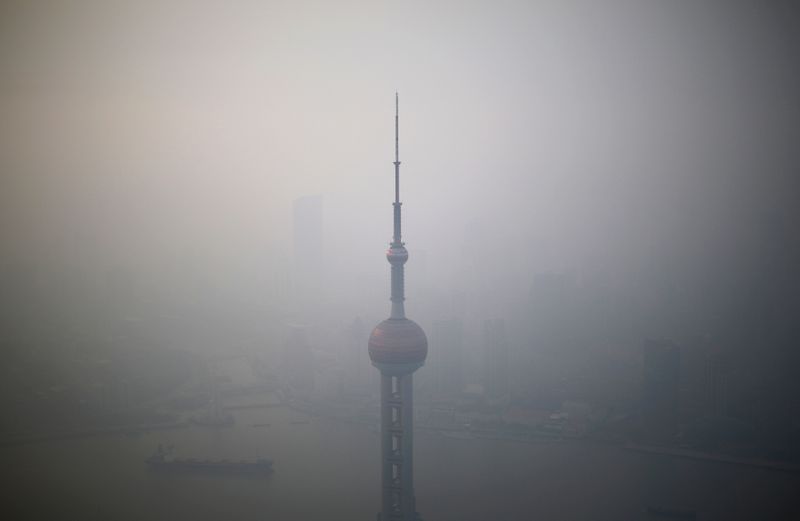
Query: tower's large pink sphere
398, 341
397, 256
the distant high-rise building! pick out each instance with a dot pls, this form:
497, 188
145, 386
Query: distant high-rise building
717, 370
447, 363
307, 234
358, 367
496, 358
660, 385
551, 317
397, 347
549, 287
298, 361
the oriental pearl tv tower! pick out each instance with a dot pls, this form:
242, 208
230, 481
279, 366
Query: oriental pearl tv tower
397, 347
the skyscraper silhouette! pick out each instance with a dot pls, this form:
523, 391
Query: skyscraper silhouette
496, 358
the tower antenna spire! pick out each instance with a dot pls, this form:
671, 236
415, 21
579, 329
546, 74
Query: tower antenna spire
396, 148
397, 252
396, 127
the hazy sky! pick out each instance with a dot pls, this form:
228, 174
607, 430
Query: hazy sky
645, 152
563, 135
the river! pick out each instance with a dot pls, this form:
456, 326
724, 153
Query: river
329, 470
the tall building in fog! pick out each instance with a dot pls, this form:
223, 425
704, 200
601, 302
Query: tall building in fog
496, 358
307, 235
717, 372
661, 374
358, 369
447, 363
397, 347
298, 361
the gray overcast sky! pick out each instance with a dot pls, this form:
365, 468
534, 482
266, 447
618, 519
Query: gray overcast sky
565, 134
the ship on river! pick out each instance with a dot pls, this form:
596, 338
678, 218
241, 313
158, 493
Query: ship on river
162, 460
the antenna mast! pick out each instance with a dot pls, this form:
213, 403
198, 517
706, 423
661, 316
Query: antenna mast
396, 240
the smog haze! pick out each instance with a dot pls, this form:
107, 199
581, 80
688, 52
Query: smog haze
593, 193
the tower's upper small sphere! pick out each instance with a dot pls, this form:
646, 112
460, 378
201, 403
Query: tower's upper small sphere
398, 341
397, 255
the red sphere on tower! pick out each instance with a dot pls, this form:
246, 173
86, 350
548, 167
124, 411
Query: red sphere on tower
398, 341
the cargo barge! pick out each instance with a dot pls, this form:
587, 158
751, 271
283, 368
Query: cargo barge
161, 460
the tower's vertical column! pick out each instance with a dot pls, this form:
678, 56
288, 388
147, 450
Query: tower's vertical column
409, 508
386, 446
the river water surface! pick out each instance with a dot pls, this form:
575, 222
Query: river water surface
329, 470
